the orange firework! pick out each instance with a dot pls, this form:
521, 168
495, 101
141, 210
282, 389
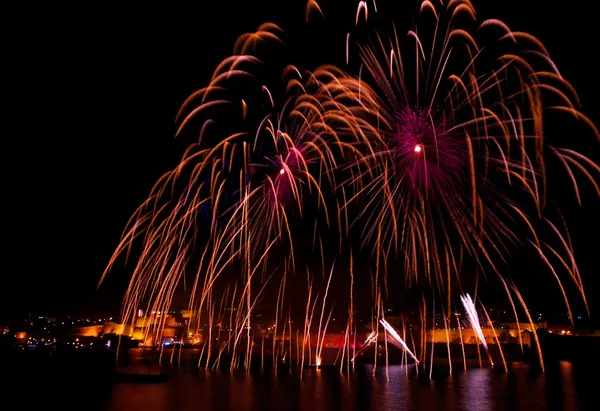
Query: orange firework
435, 151
447, 131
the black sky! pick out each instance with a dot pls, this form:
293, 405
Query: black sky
89, 102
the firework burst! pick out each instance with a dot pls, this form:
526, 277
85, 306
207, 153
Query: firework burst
448, 123
238, 191
435, 152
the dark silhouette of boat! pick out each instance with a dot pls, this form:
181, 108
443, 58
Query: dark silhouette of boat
141, 378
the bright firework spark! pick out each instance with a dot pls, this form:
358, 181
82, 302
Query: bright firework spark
312, 6
396, 339
436, 143
236, 193
473, 318
448, 133
371, 339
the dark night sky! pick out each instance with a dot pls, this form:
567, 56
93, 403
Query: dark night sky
90, 99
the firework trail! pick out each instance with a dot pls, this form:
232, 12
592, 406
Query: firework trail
473, 318
434, 151
237, 192
447, 129
371, 339
397, 340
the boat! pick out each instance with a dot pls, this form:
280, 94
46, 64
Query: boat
141, 378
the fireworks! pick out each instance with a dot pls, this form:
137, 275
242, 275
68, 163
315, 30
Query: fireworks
426, 152
473, 318
452, 135
452, 120
396, 339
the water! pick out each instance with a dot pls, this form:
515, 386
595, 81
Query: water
476, 389
77, 386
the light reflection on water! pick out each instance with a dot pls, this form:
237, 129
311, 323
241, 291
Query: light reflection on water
476, 389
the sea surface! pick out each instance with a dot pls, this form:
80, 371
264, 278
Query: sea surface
80, 383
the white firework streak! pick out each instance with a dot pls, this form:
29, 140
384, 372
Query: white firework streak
473, 318
397, 340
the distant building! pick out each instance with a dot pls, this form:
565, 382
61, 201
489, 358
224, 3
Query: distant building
188, 314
